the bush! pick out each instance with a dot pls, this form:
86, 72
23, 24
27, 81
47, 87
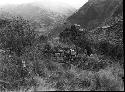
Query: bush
107, 84
112, 51
103, 47
13, 73
60, 86
15, 34
66, 66
117, 52
106, 80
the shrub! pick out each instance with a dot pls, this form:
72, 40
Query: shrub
103, 47
117, 52
66, 66
16, 34
69, 76
60, 86
108, 84
13, 73
107, 81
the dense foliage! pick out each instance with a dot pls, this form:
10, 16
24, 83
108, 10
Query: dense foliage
15, 34
79, 59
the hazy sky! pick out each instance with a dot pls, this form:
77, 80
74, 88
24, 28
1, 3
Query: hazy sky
74, 3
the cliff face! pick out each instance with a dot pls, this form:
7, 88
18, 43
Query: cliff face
95, 12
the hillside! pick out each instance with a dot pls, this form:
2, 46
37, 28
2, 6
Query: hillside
94, 12
42, 51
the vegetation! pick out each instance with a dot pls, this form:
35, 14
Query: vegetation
79, 60
16, 34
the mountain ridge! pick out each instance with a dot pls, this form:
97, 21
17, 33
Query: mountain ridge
39, 11
94, 12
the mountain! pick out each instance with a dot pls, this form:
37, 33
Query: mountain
55, 6
43, 5
45, 13
94, 12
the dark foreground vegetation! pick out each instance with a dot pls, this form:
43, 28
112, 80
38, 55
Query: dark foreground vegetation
73, 61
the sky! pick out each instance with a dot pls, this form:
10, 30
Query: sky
74, 3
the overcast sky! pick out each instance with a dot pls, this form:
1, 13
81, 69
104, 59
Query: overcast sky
74, 3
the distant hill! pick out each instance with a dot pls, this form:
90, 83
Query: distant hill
94, 12
45, 13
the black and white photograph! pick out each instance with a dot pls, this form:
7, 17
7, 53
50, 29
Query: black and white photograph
61, 45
